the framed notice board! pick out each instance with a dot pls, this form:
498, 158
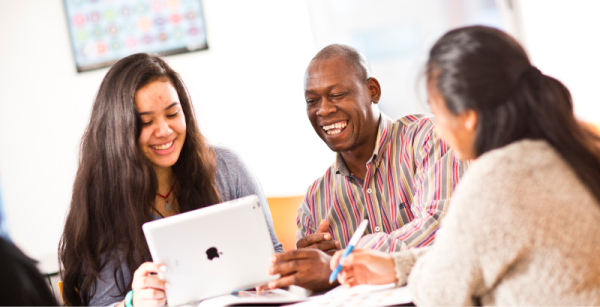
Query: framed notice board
105, 31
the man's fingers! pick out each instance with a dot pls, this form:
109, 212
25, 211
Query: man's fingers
295, 254
323, 227
149, 267
322, 234
313, 239
283, 282
331, 252
325, 245
290, 267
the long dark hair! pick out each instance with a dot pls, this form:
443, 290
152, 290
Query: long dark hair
115, 186
486, 70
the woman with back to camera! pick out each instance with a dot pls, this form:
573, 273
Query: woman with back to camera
523, 227
142, 158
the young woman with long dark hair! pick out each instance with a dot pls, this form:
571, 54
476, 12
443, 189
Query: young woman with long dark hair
523, 227
142, 158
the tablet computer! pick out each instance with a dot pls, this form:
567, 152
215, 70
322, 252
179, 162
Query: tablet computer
212, 251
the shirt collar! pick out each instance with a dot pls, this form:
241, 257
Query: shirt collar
383, 138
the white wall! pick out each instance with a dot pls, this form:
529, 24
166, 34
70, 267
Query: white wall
247, 90
563, 41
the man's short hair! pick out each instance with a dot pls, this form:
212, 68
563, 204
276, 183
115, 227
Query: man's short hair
352, 55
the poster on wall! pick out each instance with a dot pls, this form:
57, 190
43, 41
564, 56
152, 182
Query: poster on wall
105, 31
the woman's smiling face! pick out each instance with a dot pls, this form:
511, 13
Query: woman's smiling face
163, 123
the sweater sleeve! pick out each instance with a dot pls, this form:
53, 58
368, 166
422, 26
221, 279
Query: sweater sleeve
449, 273
108, 284
477, 241
404, 262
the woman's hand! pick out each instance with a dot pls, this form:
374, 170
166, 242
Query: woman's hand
149, 290
365, 267
260, 289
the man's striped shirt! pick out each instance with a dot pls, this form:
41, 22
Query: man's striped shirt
405, 194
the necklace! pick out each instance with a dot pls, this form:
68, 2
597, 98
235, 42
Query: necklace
168, 206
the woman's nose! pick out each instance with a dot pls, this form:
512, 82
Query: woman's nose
163, 129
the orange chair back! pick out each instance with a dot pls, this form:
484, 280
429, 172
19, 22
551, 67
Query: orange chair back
60, 289
284, 211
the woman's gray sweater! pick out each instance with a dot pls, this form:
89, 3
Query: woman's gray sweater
233, 180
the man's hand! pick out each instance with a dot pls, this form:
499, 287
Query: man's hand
320, 240
307, 268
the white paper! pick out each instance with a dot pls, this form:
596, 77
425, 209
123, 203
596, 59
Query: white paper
251, 297
361, 296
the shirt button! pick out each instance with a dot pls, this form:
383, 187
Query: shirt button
369, 190
377, 228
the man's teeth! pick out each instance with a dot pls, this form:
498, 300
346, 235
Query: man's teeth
338, 126
164, 146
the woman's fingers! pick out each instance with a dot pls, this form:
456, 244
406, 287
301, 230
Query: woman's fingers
150, 282
262, 288
347, 278
149, 294
148, 289
335, 259
159, 302
358, 256
149, 297
143, 277
149, 267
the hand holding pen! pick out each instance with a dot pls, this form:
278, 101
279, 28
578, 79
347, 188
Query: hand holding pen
353, 241
362, 267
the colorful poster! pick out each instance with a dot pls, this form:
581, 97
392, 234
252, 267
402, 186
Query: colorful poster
104, 31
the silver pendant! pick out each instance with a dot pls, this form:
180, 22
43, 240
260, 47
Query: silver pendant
168, 206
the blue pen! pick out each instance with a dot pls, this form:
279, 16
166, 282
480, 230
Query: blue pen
359, 232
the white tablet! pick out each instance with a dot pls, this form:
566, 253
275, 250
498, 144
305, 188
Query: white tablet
212, 251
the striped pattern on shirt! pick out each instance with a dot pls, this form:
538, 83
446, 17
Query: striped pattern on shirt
406, 191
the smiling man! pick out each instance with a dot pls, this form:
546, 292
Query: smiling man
395, 173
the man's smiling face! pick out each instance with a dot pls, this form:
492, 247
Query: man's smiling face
338, 103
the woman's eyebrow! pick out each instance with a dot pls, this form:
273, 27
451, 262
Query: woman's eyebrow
149, 112
172, 105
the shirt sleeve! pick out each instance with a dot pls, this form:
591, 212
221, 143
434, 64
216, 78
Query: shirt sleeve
436, 173
304, 219
107, 291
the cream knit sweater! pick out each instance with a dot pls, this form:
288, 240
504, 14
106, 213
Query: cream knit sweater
521, 229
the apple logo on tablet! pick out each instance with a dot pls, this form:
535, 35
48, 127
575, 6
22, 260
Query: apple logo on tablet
212, 253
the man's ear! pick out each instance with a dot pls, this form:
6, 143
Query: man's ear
374, 89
